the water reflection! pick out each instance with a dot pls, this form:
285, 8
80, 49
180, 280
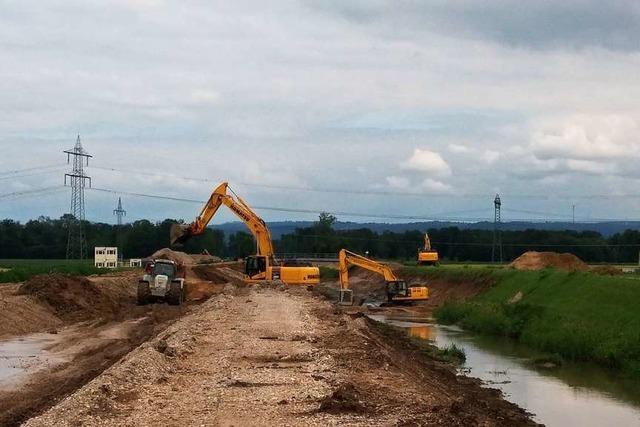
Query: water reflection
577, 394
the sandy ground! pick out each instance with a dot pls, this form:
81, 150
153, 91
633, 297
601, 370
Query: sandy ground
269, 356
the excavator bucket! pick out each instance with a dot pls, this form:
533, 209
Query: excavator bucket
179, 234
345, 297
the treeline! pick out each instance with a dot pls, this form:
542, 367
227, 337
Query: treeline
46, 238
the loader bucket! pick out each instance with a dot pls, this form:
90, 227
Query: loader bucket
179, 234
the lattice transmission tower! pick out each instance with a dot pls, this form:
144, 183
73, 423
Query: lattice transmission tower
119, 212
496, 249
76, 242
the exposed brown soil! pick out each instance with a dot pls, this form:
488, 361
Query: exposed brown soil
533, 260
606, 270
319, 367
75, 298
95, 321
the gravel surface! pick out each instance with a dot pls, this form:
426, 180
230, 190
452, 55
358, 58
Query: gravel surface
274, 356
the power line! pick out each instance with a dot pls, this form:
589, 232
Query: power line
44, 172
435, 217
57, 165
381, 192
438, 243
17, 194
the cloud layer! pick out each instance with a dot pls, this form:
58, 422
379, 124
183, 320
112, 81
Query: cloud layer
455, 100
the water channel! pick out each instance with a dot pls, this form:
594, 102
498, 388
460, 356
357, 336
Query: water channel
572, 394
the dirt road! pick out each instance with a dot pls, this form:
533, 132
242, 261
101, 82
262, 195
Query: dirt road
265, 356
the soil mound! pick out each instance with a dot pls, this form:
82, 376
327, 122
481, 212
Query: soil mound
205, 258
184, 258
345, 398
210, 273
176, 256
70, 297
607, 270
539, 260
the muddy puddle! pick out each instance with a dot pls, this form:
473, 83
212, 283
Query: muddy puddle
23, 356
577, 394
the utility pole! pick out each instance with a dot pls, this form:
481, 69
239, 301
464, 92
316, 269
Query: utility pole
119, 212
76, 242
497, 237
573, 213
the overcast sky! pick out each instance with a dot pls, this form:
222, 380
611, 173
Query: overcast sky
452, 100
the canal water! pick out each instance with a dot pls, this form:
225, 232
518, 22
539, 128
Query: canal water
570, 395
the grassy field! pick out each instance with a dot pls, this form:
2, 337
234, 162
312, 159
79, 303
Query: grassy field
575, 315
18, 270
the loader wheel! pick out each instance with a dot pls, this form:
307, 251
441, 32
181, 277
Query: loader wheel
175, 294
144, 293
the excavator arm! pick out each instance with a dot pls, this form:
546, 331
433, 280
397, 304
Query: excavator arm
180, 233
427, 242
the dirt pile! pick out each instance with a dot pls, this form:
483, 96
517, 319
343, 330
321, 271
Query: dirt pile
184, 258
345, 398
176, 256
70, 297
533, 260
210, 273
205, 258
607, 270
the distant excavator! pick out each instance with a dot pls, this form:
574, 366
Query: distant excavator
397, 290
259, 268
428, 255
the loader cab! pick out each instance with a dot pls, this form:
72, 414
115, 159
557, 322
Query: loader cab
165, 268
255, 264
397, 288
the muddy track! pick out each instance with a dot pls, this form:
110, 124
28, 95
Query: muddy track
88, 324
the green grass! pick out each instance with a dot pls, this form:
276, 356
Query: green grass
578, 316
19, 270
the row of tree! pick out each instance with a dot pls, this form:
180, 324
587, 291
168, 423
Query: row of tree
47, 238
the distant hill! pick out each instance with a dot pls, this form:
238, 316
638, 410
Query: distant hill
278, 228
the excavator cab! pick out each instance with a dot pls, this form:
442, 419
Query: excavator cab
255, 264
397, 289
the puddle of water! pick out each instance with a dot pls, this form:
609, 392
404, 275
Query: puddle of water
19, 357
580, 394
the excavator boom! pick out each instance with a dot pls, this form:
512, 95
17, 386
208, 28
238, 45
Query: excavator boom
181, 233
259, 267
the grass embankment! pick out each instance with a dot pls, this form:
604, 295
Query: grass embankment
19, 270
578, 316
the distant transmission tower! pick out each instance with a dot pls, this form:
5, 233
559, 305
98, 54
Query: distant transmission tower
497, 235
119, 212
76, 242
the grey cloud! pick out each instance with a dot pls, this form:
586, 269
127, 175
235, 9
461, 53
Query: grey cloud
536, 24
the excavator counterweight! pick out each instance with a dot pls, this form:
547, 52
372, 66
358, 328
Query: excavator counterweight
428, 255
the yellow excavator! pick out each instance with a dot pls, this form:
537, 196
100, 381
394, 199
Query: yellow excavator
259, 268
428, 255
397, 290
